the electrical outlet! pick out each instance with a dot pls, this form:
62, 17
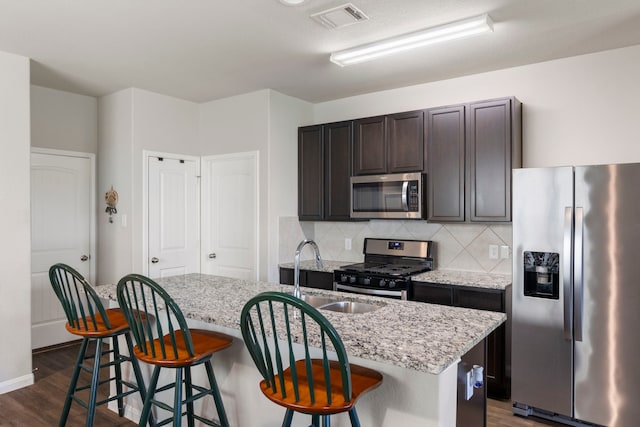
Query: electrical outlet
504, 252
493, 251
347, 244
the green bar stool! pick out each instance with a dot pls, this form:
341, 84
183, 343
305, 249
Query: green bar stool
170, 345
87, 318
320, 386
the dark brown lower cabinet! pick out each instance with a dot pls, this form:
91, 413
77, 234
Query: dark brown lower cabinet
308, 278
498, 365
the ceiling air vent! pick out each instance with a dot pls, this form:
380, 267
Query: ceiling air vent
340, 16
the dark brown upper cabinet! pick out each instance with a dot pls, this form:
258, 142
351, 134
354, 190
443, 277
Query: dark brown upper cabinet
445, 164
471, 151
389, 144
324, 162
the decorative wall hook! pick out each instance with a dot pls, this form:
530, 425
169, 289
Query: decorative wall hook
111, 198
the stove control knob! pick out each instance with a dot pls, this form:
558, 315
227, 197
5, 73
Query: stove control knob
366, 281
382, 283
344, 278
352, 279
392, 283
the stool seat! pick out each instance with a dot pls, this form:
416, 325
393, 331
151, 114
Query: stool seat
362, 380
115, 325
205, 343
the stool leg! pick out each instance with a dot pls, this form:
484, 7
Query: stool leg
146, 410
95, 379
177, 400
315, 420
138, 374
326, 421
215, 392
288, 416
188, 395
118, 369
74, 382
353, 415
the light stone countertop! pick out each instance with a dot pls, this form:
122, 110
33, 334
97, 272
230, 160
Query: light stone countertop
327, 265
465, 278
414, 335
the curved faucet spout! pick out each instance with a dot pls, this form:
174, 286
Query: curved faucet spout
296, 274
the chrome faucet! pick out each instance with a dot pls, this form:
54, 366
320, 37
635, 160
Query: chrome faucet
296, 273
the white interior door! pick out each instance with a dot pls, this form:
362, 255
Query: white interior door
61, 224
230, 215
173, 217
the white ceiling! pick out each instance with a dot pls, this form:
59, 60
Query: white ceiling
203, 50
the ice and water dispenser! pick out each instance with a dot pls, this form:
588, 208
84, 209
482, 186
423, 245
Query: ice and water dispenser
541, 275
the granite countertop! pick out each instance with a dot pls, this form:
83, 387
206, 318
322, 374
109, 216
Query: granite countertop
327, 265
465, 278
424, 337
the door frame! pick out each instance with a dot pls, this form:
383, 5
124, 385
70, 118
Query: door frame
146, 154
92, 198
254, 156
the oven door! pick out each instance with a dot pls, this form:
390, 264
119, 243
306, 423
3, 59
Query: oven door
386, 293
387, 196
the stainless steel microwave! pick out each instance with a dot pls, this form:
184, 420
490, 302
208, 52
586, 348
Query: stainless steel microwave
392, 196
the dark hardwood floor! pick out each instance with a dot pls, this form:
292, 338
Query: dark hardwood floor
40, 405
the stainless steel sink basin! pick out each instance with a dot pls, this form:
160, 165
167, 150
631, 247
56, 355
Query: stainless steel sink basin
318, 300
349, 307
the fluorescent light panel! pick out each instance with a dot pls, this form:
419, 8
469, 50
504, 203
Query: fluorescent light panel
454, 30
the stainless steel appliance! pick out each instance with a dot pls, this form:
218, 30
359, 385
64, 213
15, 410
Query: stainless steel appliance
387, 267
576, 295
387, 196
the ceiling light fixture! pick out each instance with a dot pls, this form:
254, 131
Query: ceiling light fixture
441, 33
292, 2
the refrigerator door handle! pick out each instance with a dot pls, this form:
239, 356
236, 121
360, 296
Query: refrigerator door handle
567, 274
578, 289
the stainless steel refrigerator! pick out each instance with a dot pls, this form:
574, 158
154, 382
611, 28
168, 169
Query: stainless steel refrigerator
576, 294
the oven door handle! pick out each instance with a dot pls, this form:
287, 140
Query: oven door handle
405, 196
378, 292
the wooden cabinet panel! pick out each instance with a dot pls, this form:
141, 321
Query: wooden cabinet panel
432, 293
490, 154
485, 299
308, 278
310, 173
405, 142
446, 164
369, 146
337, 146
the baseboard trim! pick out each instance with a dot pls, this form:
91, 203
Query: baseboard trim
16, 383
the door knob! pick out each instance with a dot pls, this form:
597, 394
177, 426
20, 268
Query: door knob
154, 260
84, 258
212, 256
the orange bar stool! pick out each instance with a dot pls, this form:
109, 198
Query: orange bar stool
169, 343
87, 318
319, 386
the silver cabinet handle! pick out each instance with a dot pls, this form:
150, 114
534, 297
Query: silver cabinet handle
84, 258
212, 256
154, 260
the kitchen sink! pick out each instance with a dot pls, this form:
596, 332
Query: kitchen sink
339, 305
349, 307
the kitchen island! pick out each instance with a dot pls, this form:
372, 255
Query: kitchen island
416, 346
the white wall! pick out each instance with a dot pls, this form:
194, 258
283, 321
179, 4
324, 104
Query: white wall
131, 121
579, 110
63, 120
15, 227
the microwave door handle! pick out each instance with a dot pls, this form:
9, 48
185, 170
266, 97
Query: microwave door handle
405, 198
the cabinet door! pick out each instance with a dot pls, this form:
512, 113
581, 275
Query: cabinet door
431, 293
405, 142
319, 280
369, 148
489, 145
445, 164
338, 139
479, 299
310, 173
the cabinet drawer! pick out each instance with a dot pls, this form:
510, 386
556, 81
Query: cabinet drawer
432, 293
486, 299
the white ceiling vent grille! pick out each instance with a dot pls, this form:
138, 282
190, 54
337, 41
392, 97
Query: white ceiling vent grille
339, 16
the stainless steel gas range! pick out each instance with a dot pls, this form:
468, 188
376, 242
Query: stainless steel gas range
387, 268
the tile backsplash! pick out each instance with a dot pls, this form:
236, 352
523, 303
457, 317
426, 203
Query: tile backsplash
458, 246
